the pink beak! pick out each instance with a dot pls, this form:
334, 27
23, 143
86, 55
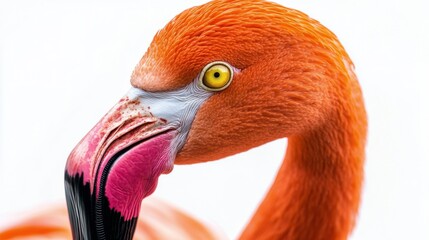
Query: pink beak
114, 167
118, 162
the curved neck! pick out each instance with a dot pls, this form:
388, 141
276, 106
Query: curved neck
316, 193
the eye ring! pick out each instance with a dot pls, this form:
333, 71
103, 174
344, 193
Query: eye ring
209, 67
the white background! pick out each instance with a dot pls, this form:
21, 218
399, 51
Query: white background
63, 64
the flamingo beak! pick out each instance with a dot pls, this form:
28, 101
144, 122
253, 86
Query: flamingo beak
117, 164
114, 167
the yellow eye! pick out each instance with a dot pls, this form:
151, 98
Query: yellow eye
216, 76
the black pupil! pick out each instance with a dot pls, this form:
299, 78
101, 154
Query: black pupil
216, 74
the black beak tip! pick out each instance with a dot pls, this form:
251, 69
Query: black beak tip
91, 217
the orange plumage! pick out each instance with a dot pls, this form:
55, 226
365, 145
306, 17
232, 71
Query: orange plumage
159, 221
295, 81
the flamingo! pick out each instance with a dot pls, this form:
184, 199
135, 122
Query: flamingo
220, 79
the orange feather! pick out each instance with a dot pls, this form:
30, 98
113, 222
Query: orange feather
158, 220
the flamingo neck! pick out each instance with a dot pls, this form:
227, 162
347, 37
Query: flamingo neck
316, 193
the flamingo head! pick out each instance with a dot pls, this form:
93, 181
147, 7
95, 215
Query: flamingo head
217, 80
